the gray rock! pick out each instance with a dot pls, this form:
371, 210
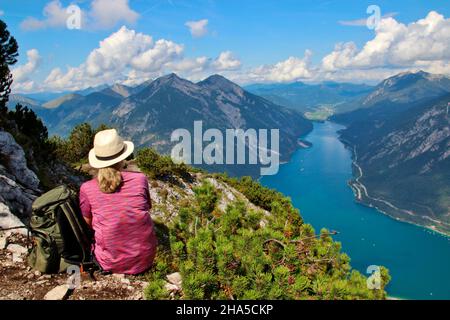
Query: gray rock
58, 293
8, 220
2, 243
174, 278
18, 184
16, 249
14, 196
171, 287
17, 163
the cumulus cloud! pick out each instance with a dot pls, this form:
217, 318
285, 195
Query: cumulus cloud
291, 69
200, 67
396, 44
198, 28
102, 14
23, 73
55, 15
106, 14
122, 50
132, 57
226, 61
395, 47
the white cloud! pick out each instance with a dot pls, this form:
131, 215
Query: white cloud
226, 61
396, 44
123, 50
2, 13
116, 51
198, 28
395, 47
341, 56
106, 14
54, 13
23, 73
132, 57
291, 69
194, 65
200, 67
156, 57
102, 14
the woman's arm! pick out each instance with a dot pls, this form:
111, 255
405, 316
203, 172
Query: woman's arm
85, 207
88, 221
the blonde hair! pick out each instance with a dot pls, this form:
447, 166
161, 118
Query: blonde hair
109, 179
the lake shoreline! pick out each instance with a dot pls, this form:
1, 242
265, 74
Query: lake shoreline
316, 179
381, 205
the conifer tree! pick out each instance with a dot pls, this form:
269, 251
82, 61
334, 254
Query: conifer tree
8, 57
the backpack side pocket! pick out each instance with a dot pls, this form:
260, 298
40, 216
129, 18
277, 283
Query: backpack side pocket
44, 255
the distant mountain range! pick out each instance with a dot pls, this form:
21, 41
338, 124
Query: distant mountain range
399, 129
149, 113
310, 97
401, 139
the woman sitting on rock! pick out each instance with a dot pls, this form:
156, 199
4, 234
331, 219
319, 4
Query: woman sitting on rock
116, 205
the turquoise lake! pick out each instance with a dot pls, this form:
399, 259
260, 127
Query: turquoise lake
316, 180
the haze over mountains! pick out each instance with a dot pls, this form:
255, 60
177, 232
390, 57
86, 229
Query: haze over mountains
401, 137
308, 97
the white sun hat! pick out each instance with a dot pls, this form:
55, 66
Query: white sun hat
109, 148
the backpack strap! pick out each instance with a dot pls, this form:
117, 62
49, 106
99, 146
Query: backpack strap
79, 231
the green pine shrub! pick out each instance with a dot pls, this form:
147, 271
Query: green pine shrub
157, 166
233, 255
75, 149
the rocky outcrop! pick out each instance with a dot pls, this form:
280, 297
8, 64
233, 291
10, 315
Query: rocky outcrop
8, 220
15, 197
19, 185
15, 160
166, 197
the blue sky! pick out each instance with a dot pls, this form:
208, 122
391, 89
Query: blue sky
255, 38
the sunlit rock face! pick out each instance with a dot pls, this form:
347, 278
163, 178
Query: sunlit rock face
18, 184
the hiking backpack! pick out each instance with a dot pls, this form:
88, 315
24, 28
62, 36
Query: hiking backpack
61, 237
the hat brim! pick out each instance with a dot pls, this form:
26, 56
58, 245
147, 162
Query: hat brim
96, 163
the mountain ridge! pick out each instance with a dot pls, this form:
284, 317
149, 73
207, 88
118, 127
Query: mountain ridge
147, 116
401, 144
